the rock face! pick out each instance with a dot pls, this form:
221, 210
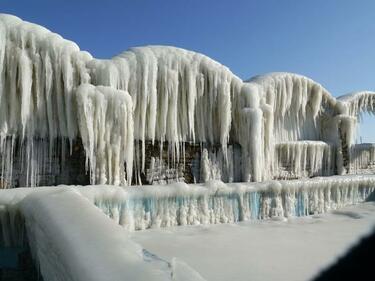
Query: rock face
60, 167
157, 114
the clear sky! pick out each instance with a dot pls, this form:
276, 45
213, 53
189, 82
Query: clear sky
330, 41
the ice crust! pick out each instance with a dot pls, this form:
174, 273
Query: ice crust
52, 92
137, 208
70, 229
217, 202
71, 239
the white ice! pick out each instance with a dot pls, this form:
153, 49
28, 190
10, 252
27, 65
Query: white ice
52, 92
295, 250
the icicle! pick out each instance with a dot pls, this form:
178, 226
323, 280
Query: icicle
106, 126
39, 72
53, 93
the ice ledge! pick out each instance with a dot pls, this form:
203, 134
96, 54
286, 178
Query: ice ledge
68, 234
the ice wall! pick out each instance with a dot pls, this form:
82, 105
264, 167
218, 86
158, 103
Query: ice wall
137, 208
216, 202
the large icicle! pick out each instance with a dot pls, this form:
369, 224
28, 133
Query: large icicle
250, 136
106, 127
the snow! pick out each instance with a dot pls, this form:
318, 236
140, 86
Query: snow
296, 249
138, 208
70, 229
73, 240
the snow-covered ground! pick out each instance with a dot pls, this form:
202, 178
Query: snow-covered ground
70, 229
296, 249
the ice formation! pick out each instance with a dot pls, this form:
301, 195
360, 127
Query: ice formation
107, 140
176, 96
63, 223
304, 159
363, 158
216, 202
358, 102
138, 208
39, 72
179, 96
53, 93
73, 240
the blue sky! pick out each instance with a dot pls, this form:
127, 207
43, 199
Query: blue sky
332, 42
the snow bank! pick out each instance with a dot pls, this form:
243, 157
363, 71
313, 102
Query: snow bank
73, 240
137, 208
294, 250
68, 234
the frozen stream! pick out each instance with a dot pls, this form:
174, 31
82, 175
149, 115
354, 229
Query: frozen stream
296, 249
